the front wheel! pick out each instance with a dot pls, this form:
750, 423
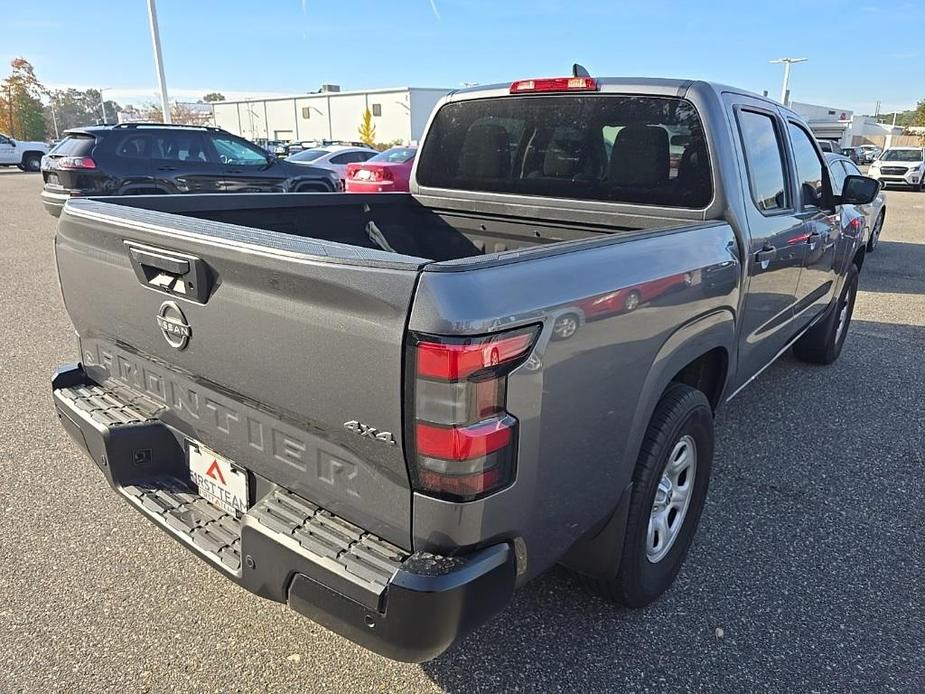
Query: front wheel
669, 490
875, 233
822, 344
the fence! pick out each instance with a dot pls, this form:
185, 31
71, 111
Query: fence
882, 141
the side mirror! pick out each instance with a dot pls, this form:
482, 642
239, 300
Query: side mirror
859, 190
12, 142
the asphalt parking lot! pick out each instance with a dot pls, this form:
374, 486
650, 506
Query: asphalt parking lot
807, 574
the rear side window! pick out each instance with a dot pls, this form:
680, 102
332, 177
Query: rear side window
179, 146
764, 160
809, 166
134, 147
614, 148
75, 146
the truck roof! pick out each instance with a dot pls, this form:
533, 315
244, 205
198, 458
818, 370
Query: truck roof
641, 85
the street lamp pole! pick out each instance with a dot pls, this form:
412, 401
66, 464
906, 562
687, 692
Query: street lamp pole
158, 59
785, 87
103, 104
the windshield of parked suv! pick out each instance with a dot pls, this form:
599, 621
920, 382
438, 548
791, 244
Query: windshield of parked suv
902, 155
613, 148
395, 155
308, 155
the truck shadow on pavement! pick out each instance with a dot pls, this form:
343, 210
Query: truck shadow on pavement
797, 579
899, 268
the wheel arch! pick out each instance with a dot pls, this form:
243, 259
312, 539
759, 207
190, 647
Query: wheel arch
700, 354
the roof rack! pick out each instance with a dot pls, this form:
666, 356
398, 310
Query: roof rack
154, 124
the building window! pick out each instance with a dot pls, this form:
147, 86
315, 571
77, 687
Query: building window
377, 109
306, 112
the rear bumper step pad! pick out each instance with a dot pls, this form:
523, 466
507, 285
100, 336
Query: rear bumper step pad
405, 606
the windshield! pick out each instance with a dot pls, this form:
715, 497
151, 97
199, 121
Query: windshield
902, 155
395, 155
615, 148
308, 155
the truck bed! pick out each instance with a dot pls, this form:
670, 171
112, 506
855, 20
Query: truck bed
396, 223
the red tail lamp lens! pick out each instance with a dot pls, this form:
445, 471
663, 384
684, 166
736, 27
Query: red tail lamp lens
464, 440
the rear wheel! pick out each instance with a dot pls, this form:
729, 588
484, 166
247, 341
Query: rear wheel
669, 490
822, 344
875, 233
631, 303
31, 162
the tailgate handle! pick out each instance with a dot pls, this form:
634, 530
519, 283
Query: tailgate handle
171, 272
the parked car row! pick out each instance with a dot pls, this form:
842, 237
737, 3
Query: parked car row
862, 154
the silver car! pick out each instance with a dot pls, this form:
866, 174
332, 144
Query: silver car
874, 213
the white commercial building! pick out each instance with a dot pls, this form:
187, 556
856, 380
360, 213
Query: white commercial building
826, 122
398, 114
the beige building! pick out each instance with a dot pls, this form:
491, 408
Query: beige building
398, 114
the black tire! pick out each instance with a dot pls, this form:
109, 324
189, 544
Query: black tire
822, 344
32, 163
875, 232
682, 413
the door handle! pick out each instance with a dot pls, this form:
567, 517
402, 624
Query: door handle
166, 168
765, 255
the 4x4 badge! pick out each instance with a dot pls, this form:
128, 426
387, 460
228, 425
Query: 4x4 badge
173, 325
369, 432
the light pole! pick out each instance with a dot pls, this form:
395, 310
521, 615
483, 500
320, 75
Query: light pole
103, 103
54, 118
158, 59
785, 87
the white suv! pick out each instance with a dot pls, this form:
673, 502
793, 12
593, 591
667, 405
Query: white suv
904, 166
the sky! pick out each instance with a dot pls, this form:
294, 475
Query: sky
858, 52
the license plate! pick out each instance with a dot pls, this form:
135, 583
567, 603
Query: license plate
218, 479
364, 175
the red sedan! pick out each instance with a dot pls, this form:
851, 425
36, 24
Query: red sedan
387, 172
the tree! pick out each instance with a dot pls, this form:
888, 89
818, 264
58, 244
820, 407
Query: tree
21, 110
184, 114
74, 108
918, 116
367, 130
212, 97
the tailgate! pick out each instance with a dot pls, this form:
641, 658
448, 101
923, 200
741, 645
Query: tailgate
260, 345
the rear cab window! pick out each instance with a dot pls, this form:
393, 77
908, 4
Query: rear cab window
604, 147
764, 160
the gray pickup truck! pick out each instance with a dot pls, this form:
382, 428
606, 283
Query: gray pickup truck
389, 411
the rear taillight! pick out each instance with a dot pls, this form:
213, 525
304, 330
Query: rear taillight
371, 174
75, 163
555, 84
463, 440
